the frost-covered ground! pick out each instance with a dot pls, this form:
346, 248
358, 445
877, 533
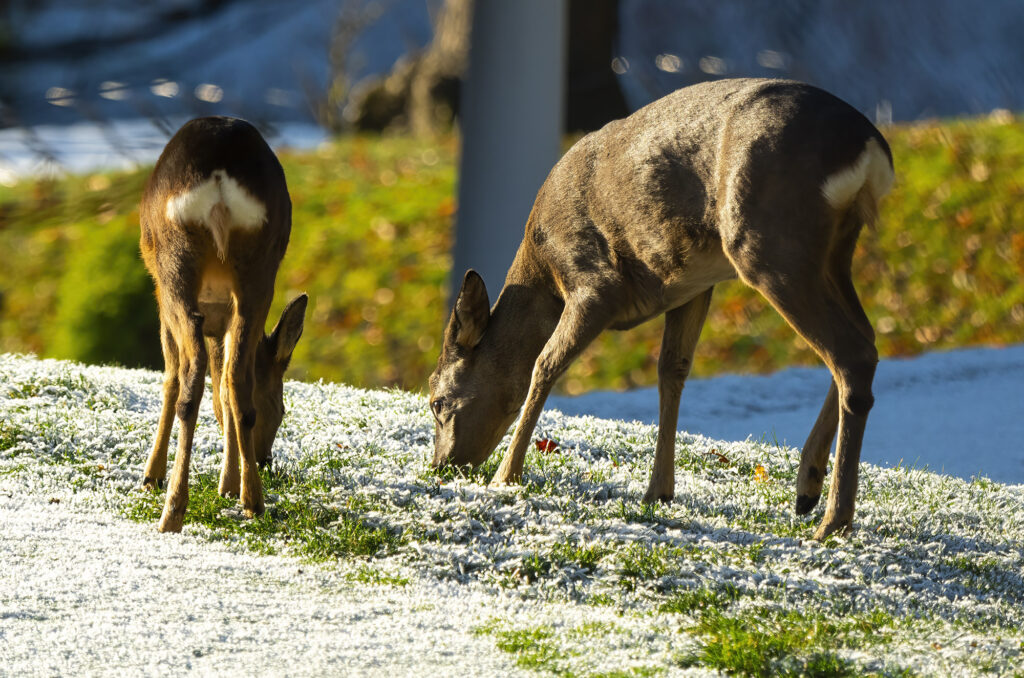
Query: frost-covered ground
568, 574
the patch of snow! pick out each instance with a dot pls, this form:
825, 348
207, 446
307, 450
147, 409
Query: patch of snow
120, 144
86, 593
959, 412
269, 59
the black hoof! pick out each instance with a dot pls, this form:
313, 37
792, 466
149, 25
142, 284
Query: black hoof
150, 484
804, 504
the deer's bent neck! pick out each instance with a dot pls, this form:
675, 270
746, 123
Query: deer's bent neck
522, 320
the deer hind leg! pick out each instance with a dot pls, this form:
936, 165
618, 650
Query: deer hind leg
156, 466
839, 281
682, 329
243, 336
814, 458
230, 480
192, 362
817, 310
586, 315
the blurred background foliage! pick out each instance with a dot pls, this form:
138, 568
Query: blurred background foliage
105, 311
371, 241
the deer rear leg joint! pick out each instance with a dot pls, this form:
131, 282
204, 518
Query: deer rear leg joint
859, 403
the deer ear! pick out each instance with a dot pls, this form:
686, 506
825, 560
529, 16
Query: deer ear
471, 313
289, 329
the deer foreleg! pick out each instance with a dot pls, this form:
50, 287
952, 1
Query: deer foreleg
230, 480
239, 349
584, 317
682, 329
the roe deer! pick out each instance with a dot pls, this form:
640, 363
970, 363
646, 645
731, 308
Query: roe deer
215, 218
768, 180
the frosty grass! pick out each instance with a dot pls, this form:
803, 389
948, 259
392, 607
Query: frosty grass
368, 562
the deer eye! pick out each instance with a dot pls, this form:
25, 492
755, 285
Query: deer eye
437, 407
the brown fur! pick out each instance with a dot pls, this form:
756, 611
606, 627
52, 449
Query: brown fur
642, 218
214, 298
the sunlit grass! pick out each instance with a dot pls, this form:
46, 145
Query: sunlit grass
299, 520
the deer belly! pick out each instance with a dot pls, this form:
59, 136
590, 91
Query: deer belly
702, 270
215, 301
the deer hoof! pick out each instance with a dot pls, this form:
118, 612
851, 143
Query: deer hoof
499, 481
227, 488
653, 496
152, 483
840, 526
252, 504
805, 503
171, 521
253, 512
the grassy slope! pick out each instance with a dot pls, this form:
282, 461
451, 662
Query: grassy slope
372, 234
720, 579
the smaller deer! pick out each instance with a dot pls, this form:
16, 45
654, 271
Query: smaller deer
215, 219
767, 180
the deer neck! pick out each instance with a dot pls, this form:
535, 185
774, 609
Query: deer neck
522, 320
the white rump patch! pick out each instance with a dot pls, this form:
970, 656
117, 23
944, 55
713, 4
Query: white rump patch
222, 205
872, 171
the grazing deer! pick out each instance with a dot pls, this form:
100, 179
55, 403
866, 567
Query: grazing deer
767, 180
216, 217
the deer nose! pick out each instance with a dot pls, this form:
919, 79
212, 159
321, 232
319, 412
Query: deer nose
440, 461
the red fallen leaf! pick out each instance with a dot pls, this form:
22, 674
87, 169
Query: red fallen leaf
546, 445
722, 459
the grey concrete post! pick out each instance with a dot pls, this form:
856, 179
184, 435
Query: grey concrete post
512, 112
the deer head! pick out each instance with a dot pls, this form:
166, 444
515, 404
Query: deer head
272, 357
475, 390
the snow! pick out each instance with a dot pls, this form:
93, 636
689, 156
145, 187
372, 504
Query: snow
101, 595
960, 412
87, 592
119, 144
268, 60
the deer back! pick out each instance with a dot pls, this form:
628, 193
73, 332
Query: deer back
651, 199
217, 192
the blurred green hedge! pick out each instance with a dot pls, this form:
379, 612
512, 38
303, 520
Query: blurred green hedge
106, 312
371, 238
